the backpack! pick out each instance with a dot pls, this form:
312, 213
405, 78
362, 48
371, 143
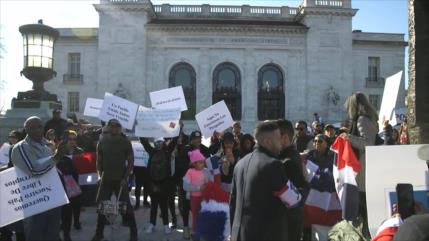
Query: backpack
159, 166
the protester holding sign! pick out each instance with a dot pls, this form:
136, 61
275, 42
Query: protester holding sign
115, 161
161, 182
34, 157
6, 232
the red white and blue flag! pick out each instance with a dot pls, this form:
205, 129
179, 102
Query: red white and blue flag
322, 205
387, 230
346, 168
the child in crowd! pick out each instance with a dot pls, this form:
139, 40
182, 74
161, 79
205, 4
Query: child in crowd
195, 181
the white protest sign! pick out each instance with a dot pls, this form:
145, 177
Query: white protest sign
215, 118
157, 123
93, 107
390, 95
115, 107
23, 196
170, 98
397, 164
141, 157
4, 153
400, 115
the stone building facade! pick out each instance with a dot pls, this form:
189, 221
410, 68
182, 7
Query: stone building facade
265, 62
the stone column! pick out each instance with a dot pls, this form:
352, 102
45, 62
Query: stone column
418, 90
204, 81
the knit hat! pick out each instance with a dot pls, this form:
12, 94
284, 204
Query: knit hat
195, 156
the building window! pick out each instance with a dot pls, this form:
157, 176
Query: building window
73, 101
227, 87
373, 68
73, 75
184, 74
74, 64
375, 101
271, 98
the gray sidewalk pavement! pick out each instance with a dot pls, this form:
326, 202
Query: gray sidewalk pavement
117, 232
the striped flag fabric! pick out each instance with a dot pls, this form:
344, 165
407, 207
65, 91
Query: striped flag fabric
387, 230
346, 168
322, 205
213, 219
289, 195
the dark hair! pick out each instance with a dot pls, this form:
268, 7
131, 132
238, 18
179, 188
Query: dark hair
286, 127
301, 122
264, 128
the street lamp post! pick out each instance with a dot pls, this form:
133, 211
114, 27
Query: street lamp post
38, 63
39, 40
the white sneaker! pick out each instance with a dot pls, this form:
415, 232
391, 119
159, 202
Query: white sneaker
167, 230
149, 228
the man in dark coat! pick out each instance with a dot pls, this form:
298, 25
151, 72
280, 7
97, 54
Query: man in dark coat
261, 190
57, 123
293, 167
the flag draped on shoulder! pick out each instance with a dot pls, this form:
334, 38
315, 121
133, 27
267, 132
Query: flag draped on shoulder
322, 205
346, 167
387, 230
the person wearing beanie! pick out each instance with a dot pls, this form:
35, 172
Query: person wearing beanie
160, 179
182, 165
194, 181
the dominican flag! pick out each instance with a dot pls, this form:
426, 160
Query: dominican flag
346, 167
388, 229
289, 195
322, 205
213, 218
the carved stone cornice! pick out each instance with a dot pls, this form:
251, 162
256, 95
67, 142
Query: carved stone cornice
128, 7
227, 28
328, 11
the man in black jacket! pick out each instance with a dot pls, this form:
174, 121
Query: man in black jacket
292, 164
57, 123
261, 190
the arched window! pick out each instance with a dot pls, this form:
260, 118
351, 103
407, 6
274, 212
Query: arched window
227, 87
271, 98
184, 74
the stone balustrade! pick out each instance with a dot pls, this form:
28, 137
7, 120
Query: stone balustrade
216, 10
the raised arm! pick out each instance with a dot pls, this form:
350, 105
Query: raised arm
147, 146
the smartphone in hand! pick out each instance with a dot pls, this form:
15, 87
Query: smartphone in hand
405, 194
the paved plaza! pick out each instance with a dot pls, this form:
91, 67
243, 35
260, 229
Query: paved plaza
117, 232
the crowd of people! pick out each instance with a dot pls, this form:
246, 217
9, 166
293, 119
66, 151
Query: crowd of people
263, 174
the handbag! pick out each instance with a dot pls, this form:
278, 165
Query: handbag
113, 207
71, 186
